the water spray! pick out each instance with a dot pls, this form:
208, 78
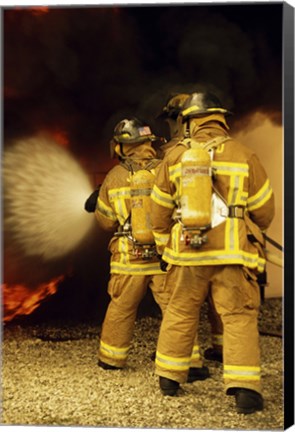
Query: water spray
44, 190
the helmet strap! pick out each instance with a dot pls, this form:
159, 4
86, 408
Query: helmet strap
186, 129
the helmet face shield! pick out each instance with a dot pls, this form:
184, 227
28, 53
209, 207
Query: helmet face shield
200, 104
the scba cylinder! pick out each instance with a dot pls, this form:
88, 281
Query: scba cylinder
196, 188
141, 185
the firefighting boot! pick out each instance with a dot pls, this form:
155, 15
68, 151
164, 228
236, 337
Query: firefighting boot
168, 386
248, 401
198, 374
107, 366
213, 354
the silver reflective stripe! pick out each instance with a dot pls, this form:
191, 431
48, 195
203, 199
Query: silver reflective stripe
231, 233
172, 364
160, 198
119, 193
144, 269
235, 190
242, 373
233, 169
216, 258
145, 192
260, 198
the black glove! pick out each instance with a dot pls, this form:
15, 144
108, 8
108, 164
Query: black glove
163, 264
90, 203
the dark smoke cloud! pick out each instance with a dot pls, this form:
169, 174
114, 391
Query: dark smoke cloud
84, 68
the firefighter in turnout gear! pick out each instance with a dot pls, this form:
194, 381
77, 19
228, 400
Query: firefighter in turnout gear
171, 114
224, 254
123, 197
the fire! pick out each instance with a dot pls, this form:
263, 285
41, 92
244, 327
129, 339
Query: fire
35, 10
21, 300
60, 137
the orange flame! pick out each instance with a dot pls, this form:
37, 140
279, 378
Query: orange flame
61, 137
21, 300
35, 10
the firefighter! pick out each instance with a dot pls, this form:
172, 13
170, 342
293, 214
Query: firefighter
122, 205
171, 114
134, 266
212, 245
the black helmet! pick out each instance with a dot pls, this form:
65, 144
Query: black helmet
173, 106
132, 131
200, 104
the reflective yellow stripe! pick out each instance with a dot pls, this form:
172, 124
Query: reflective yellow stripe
197, 108
235, 233
228, 236
121, 210
236, 189
262, 196
244, 373
214, 258
217, 339
162, 198
174, 172
196, 353
232, 242
135, 269
231, 168
118, 197
222, 110
161, 239
113, 352
243, 197
172, 363
123, 246
105, 210
123, 192
175, 236
190, 109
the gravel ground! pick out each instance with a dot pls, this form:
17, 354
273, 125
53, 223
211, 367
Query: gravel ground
50, 377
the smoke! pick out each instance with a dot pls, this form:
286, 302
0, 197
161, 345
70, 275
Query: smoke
44, 190
83, 69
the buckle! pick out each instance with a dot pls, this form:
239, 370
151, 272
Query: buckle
236, 212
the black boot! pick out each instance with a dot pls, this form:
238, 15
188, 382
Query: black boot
168, 386
197, 374
248, 401
213, 354
107, 366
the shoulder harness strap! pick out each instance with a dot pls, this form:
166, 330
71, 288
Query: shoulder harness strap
206, 145
133, 166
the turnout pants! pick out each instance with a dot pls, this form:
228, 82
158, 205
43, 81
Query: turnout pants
126, 292
236, 297
215, 324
